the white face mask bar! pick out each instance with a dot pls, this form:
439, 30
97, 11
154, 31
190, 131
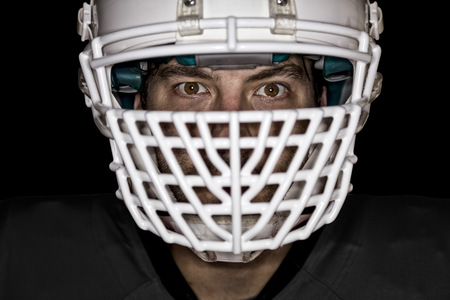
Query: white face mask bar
317, 177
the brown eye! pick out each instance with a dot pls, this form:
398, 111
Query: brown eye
271, 90
191, 88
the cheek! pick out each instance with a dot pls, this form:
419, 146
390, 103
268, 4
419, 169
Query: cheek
293, 101
168, 101
304, 98
155, 99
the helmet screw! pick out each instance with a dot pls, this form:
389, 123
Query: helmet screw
189, 2
282, 2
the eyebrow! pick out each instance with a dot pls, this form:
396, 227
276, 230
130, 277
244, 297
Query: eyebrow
285, 70
179, 71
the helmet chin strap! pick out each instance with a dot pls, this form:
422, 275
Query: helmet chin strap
202, 232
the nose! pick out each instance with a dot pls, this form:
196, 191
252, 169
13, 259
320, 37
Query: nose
223, 130
231, 89
232, 100
232, 96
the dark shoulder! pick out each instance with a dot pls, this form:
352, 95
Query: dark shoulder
45, 221
70, 247
385, 241
61, 201
54, 208
394, 215
402, 198
397, 206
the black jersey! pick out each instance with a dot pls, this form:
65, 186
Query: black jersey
88, 247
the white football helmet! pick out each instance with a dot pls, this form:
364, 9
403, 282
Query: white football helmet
338, 34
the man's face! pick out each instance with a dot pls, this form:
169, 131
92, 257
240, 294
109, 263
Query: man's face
174, 87
286, 85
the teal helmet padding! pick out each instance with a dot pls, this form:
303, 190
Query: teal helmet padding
127, 74
127, 79
336, 68
338, 75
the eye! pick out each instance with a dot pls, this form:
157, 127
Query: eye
271, 90
191, 88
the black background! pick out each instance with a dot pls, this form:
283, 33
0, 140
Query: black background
50, 144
